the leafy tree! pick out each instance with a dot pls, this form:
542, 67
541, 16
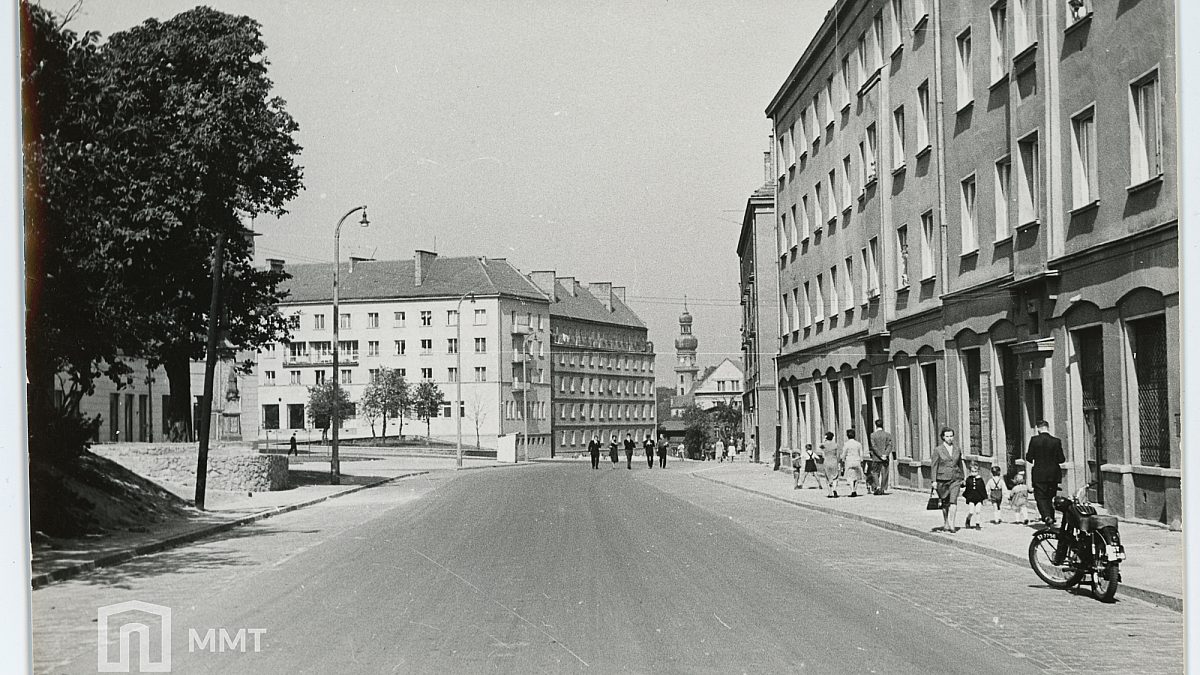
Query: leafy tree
321, 405
699, 431
726, 418
388, 396
662, 400
427, 400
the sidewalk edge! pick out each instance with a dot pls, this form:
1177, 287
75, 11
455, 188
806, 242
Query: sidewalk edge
1165, 600
63, 573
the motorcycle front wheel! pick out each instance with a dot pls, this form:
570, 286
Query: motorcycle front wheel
1042, 553
1104, 583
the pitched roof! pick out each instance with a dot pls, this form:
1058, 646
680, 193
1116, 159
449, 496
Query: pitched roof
585, 306
385, 279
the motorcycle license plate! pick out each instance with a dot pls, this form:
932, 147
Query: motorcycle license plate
1115, 552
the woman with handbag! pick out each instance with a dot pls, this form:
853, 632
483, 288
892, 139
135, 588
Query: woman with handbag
947, 469
831, 464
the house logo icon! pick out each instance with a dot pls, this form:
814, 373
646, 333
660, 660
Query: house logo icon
142, 617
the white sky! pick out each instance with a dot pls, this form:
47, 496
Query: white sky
610, 141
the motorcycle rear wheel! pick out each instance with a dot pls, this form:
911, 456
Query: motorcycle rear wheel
1041, 558
1104, 583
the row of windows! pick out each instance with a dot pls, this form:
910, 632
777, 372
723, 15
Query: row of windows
399, 319
604, 411
323, 350
514, 410
604, 360
581, 438
347, 375
296, 418
825, 296
597, 385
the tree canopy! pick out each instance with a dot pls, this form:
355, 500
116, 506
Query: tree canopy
321, 404
427, 401
388, 396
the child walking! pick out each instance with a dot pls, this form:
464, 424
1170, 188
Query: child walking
975, 494
1018, 498
810, 467
996, 489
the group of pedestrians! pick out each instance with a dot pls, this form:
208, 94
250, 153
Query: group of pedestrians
953, 476
847, 461
650, 447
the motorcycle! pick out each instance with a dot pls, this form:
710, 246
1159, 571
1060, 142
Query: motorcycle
1085, 543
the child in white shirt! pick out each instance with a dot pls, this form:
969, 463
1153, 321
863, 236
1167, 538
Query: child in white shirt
997, 491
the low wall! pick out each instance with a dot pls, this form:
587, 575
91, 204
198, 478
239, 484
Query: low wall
228, 469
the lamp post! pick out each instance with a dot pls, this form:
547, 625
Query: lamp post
458, 368
334, 464
528, 347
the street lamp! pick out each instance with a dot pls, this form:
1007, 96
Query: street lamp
528, 346
458, 366
334, 464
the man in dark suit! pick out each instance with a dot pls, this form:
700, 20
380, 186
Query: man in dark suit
648, 445
629, 444
1045, 453
662, 451
594, 450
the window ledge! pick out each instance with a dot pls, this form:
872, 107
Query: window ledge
965, 106
1092, 205
817, 231
929, 279
1002, 241
899, 169
803, 155
792, 250
1029, 225
847, 209
1003, 79
1081, 21
921, 21
871, 180
973, 253
832, 219
1027, 51
1153, 180
925, 150
871, 80
845, 107
792, 165
804, 240
896, 51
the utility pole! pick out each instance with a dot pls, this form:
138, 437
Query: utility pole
210, 365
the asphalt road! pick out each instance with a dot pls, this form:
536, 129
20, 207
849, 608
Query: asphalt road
559, 568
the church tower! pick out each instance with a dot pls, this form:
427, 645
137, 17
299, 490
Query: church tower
685, 355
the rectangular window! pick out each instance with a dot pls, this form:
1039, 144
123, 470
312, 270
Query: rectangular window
372, 319
1083, 158
480, 345
451, 345
1025, 24
847, 196
1145, 125
480, 374
871, 154
318, 377
795, 227
398, 319
1000, 57
1003, 185
927, 251
816, 119
427, 346
808, 312
898, 138
789, 148
400, 347
876, 40
294, 321
833, 194
970, 234
896, 19
426, 318
848, 298
270, 377
270, 416
829, 101
802, 129
861, 61
1148, 344
372, 375
345, 377
293, 377
787, 312
873, 260
452, 317
786, 231
372, 347
804, 218
318, 322
902, 257
919, 11
964, 78
844, 83
835, 303
1028, 187
818, 216
427, 373
820, 299
974, 401
344, 321
864, 276
481, 317
923, 121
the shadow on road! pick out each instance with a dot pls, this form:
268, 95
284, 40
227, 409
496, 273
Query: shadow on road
302, 477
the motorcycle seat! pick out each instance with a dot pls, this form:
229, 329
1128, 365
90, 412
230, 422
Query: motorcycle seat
1096, 522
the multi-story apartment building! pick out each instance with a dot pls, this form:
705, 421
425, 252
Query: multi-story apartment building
404, 314
601, 364
954, 248
758, 280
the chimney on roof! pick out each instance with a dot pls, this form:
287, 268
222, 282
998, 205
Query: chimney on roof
276, 264
544, 280
619, 293
603, 292
568, 283
424, 264
767, 179
357, 259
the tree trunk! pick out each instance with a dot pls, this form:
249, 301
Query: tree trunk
179, 408
384, 434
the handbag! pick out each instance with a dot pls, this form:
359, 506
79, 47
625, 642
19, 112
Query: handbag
935, 502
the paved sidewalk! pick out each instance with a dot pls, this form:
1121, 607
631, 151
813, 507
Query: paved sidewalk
1153, 570
60, 559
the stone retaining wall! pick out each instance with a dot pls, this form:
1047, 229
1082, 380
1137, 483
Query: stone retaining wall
231, 469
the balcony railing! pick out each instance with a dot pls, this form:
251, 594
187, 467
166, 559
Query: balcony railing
522, 329
344, 359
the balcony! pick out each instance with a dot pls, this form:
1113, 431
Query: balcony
521, 387
302, 360
521, 357
522, 329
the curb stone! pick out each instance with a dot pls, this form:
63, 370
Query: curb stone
1164, 600
117, 557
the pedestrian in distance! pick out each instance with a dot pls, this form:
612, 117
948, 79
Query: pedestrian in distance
292, 446
629, 450
810, 466
1018, 499
681, 451
852, 461
974, 494
996, 490
648, 446
594, 450
662, 452
613, 454
883, 450
724, 450
948, 470
1045, 453
830, 463
797, 468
